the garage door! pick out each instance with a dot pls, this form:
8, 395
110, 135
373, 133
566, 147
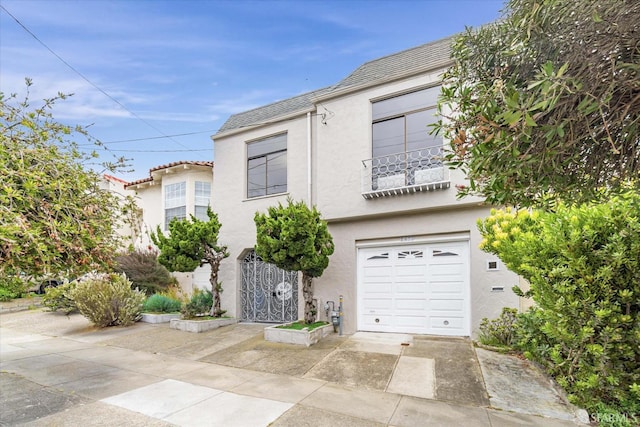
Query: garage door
422, 289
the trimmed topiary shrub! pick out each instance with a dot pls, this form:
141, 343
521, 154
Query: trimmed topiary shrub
158, 303
583, 264
144, 271
108, 300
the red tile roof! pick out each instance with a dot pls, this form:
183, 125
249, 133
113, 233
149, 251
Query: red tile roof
167, 166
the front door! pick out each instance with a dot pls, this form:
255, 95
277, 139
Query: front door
269, 294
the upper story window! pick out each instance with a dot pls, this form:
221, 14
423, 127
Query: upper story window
404, 154
201, 200
175, 202
267, 166
400, 123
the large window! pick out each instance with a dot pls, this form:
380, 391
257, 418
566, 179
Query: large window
267, 166
404, 153
175, 202
400, 123
202, 197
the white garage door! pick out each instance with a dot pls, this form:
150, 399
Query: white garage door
421, 289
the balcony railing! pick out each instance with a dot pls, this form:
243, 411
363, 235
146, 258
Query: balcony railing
402, 173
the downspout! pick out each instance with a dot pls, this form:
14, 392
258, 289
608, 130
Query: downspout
309, 202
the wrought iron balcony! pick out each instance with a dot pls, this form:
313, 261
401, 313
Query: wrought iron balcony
403, 173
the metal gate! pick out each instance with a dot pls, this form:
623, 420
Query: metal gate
269, 294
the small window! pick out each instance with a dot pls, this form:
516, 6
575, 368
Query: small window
492, 265
267, 166
410, 254
383, 255
437, 252
175, 202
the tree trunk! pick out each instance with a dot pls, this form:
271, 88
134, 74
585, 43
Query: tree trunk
307, 290
214, 259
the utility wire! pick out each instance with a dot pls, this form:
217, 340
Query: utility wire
86, 79
160, 151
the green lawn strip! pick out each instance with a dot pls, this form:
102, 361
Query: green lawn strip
300, 325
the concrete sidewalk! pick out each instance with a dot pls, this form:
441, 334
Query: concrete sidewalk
58, 370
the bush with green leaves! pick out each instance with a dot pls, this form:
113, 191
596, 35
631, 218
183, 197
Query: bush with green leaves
199, 304
583, 265
108, 300
500, 332
158, 303
11, 287
59, 298
144, 271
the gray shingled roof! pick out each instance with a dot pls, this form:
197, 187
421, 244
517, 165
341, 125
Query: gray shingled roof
277, 109
399, 64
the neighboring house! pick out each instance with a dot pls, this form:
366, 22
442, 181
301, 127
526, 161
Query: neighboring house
175, 190
128, 233
406, 249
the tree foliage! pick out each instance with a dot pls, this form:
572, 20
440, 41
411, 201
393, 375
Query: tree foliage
295, 238
192, 243
583, 265
54, 218
545, 103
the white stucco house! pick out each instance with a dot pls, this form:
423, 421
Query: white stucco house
406, 250
174, 190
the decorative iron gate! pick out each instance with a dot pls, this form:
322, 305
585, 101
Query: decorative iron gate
269, 294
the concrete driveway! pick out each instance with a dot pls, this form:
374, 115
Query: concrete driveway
60, 370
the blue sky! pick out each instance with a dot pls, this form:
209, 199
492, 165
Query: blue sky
184, 66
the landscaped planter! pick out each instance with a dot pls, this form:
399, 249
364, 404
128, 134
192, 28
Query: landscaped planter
191, 325
294, 336
159, 317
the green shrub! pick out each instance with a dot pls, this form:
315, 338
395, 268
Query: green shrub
11, 287
59, 298
144, 271
108, 300
583, 264
500, 332
158, 303
200, 303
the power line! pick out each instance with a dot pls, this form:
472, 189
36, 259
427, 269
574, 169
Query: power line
157, 137
86, 79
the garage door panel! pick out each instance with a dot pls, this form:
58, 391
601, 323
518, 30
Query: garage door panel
447, 305
378, 271
414, 289
411, 270
378, 304
438, 287
379, 288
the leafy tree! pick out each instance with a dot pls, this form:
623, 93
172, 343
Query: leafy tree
295, 238
54, 218
192, 243
545, 103
583, 264
144, 270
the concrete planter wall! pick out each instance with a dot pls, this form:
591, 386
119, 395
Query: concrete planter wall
159, 317
293, 336
200, 325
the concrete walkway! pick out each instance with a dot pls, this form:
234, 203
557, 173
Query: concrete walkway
58, 370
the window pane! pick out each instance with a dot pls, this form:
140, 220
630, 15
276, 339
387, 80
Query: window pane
175, 195
405, 103
388, 137
169, 214
203, 193
257, 177
418, 131
267, 145
277, 173
201, 213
